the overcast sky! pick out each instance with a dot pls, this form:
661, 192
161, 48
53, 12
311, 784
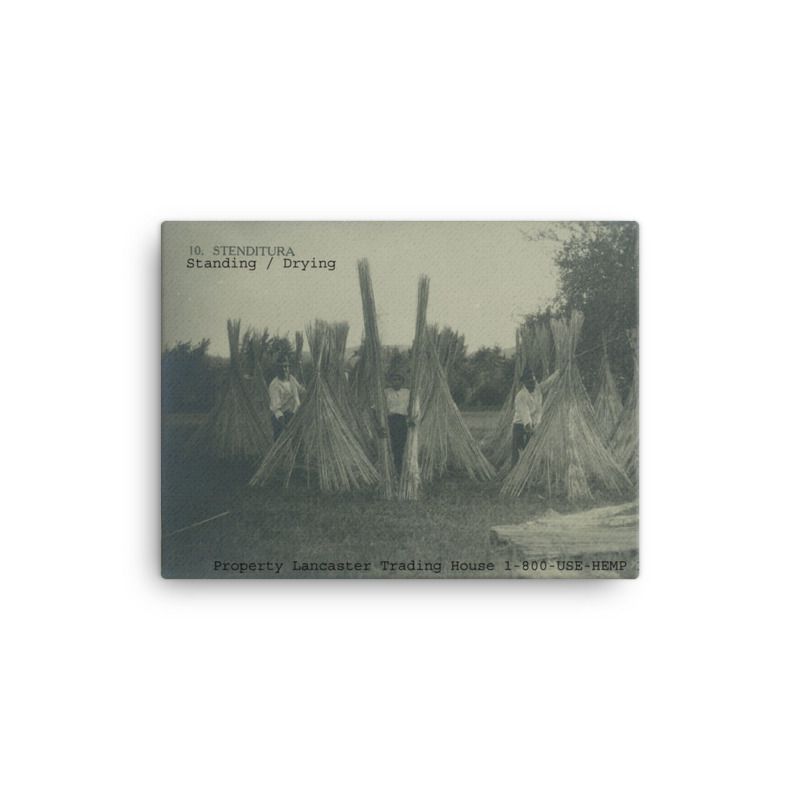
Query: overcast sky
484, 278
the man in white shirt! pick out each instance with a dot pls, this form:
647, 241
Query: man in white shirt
284, 398
527, 414
397, 400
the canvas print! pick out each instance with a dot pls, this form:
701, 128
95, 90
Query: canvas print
400, 400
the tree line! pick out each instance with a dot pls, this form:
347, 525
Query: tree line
191, 380
598, 274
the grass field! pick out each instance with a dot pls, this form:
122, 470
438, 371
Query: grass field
272, 524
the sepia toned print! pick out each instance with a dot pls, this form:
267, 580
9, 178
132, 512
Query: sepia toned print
400, 400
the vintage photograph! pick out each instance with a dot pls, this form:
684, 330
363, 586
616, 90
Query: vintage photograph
400, 400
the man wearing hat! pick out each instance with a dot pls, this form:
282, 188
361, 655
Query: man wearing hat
527, 414
284, 397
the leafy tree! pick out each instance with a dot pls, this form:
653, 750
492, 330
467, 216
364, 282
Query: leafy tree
187, 378
598, 275
488, 375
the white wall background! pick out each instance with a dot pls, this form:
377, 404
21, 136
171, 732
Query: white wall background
118, 684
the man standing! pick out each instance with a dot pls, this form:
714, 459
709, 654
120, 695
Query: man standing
397, 400
527, 414
284, 398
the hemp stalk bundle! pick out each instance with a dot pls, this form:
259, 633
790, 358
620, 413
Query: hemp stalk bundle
566, 454
411, 478
625, 441
260, 384
236, 429
541, 350
497, 445
333, 368
319, 438
373, 367
446, 445
360, 389
447, 343
607, 402
298, 354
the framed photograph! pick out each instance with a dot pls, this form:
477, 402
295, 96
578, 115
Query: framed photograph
400, 400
